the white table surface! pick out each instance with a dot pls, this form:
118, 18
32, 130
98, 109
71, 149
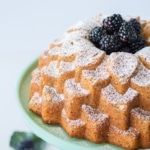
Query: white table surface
26, 29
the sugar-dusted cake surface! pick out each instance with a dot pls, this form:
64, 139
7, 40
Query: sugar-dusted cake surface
93, 95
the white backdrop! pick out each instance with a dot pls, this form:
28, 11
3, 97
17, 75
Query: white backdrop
26, 29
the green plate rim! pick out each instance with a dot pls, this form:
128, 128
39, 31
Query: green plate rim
47, 136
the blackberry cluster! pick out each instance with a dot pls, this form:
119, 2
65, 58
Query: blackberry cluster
26, 145
118, 35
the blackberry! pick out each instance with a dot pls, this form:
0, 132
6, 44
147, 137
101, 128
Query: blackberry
109, 43
138, 44
125, 49
136, 25
96, 35
127, 33
112, 23
26, 145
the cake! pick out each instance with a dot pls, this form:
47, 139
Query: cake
95, 81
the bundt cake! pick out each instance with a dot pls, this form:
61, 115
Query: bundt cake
95, 81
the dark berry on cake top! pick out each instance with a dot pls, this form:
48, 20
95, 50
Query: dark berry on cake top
136, 25
127, 33
138, 44
125, 49
110, 43
118, 35
112, 23
96, 34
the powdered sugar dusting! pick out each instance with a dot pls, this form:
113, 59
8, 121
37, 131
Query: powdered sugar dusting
114, 97
56, 43
36, 76
45, 54
94, 114
123, 65
84, 24
52, 69
55, 51
141, 114
76, 45
76, 34
50, 94
131, 131
142, 78
144, 55
92, 56
101, 70
129, 95
111, 94
66, 67
75, 123
98, 75
36, 98
55, 71
75, 88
